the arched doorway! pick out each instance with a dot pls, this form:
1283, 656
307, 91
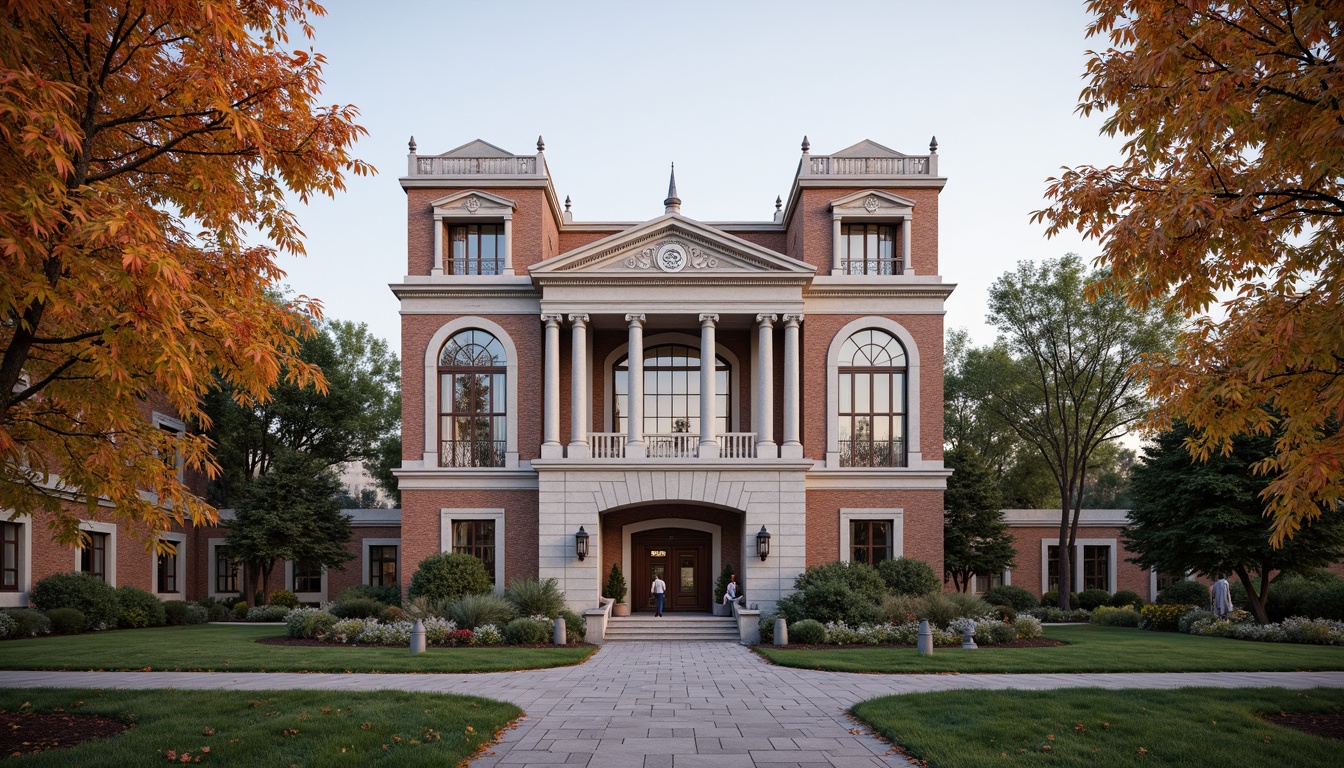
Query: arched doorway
682, 557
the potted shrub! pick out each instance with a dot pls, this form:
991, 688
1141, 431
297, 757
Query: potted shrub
721, 588
615, 590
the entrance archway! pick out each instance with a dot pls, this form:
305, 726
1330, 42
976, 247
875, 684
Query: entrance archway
682, 558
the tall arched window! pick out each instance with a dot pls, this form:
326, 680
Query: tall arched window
473, 415
871, 400
672, 391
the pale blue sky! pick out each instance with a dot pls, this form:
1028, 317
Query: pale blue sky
727, 91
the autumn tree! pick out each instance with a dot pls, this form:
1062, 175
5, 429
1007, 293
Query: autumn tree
1060, 374
975, 538
144, 142
1208, 517
1228, 207
350, 422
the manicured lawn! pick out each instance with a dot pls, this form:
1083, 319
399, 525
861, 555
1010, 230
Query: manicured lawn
271, 727
1186, 727
1090, 649
212, 647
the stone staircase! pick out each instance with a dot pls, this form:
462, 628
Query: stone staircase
672, 626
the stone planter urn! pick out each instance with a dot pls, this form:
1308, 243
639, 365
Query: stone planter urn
722, 610
620, 609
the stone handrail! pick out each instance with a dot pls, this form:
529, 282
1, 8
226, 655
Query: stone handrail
914, 165
748, 622
474, 166
595, 621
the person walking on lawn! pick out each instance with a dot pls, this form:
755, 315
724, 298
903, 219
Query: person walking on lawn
659, 590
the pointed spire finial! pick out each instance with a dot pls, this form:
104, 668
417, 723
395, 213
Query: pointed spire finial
412, 144
806, 144
673, 203
541, 145
933, 145
566, 203
779, 203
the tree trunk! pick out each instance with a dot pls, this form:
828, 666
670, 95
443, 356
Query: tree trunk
1256, 600
266, 581
1065, 572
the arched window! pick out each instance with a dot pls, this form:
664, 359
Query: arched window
871, 400
473, 415
672, 391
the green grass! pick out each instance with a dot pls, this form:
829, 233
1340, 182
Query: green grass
249, 727
1185, 727
216, 648
1090, 649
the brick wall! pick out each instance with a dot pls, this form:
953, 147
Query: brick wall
922, 522
813, 223
1028, 568
420, 534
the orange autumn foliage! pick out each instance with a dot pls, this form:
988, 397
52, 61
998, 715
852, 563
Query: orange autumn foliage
141, 144
1228, 208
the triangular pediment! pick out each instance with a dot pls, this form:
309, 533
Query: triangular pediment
873, 202
673, 245
477, 148
867, 148
472, 201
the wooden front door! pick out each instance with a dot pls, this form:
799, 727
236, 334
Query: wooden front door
681, 558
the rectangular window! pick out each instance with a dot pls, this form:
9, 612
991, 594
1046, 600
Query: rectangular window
383, 566
868, 249
307, 577
9, 557
476, 538
1097, 567
475, 249
226, 571
1165, 580
1051, 567
167, 573
93, 558
869, 541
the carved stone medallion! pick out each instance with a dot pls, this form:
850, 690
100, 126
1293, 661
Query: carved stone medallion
670, 257
472, 204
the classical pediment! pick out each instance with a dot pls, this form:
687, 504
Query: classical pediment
672, 246
477, 148
867, 148
873, 202
473, 202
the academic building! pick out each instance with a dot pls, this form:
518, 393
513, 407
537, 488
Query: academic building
671, 395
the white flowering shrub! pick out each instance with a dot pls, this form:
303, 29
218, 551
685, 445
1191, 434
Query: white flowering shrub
1027, 627
6, 624
308, 622
1296, 629
488, 634
987, 631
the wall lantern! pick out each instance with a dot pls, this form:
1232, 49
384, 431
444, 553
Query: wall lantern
581, 543
763, 543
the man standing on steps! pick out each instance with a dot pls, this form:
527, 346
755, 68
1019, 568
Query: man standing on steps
658, 589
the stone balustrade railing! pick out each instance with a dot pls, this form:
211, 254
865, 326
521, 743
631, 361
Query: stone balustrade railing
673, 445
474, 166
914, 165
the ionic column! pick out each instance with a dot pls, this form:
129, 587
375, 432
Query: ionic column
634, 419
551, 448
709, 446
905, 246
437, 269
792, 448
765, 387
578, 376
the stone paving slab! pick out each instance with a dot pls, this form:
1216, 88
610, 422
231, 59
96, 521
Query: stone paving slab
674, 704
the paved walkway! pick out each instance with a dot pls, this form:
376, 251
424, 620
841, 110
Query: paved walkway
674, 704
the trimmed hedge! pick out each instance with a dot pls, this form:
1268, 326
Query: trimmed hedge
181, 613
448, 576
807, 632
139, 609
29, 623
907, 576
1017, 598
283, 598
1126, 597
1185, 593
527, 632
91, 596
848, 592
1092, 599
358, 608
66, 621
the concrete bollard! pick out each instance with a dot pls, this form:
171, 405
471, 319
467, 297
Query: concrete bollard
418, 637
924, 644
558, 637
781, 632
968, 638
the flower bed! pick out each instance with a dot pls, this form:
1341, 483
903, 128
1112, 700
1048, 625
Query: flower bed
1293, 630
985, 631
318, 624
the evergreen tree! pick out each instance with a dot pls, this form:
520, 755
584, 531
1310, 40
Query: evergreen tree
975, 538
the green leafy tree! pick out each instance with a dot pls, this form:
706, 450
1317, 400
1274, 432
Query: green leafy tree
290, 513
1107, 484
1210, 517
350, 422
1061, 374
975, 538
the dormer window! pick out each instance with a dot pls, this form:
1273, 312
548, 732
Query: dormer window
870, 249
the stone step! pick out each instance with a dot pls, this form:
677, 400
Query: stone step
672, 626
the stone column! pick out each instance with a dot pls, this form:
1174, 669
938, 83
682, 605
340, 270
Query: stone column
634, 401
906, 266
439, 245
578, 375
765, 387
792, 448
709, 446
551, 447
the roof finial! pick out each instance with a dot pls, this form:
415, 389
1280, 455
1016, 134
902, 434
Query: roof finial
412, 145
566, 203
673, 203
541, 145
806, 144
933, 145
779, 203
